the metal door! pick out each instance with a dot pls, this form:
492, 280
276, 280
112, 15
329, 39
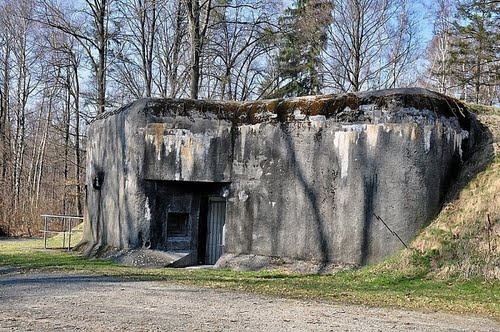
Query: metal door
215, 231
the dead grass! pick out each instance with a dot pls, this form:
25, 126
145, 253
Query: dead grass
464, 240
484, 110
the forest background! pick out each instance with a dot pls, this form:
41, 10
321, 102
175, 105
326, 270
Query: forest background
64, 62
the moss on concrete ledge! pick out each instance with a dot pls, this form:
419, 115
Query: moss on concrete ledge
348, 107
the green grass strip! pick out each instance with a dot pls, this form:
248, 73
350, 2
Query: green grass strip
373, 285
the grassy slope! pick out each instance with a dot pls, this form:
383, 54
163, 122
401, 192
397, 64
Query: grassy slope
464, 240
452, 266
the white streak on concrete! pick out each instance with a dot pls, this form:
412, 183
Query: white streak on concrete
413, 135
147, 211
427, 138
342, 142
372, 135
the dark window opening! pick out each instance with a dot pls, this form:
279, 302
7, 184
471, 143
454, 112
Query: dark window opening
177, 224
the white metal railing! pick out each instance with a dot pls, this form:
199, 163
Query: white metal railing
65, 227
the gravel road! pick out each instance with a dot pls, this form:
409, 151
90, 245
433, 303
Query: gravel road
62, 302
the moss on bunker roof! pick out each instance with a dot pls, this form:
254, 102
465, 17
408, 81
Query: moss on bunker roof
346, 107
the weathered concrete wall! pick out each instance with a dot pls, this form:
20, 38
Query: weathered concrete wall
303, 177
309, 190
184, 151
116, 211
138, 153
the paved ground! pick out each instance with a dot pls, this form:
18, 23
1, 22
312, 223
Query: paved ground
58, 302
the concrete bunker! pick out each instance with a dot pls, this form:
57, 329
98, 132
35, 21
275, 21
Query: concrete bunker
297, 179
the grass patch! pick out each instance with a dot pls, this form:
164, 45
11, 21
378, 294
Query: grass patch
378, 285
484, 109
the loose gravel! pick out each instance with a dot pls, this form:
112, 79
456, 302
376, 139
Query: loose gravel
66, 302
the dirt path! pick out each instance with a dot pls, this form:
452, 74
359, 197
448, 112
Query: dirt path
58, 302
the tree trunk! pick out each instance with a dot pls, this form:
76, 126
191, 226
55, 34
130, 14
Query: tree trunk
193, 7
149, 54
4, 107
176, 47
102, 42
41, 155
67, 119
197, 33
78, 158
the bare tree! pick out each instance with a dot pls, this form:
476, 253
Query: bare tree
198, 14
40, 119
91, 26
172, 54
358, 38
6, 44
237, 47
5, 56
154, 54
438, 51
40, 142
68, 60
25, 55
134, 65
403, 50
21, 71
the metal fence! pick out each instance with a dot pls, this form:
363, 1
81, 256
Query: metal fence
60, 225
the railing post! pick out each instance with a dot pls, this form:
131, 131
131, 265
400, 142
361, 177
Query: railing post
69, 234
64, 232
66, 228
45, 233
